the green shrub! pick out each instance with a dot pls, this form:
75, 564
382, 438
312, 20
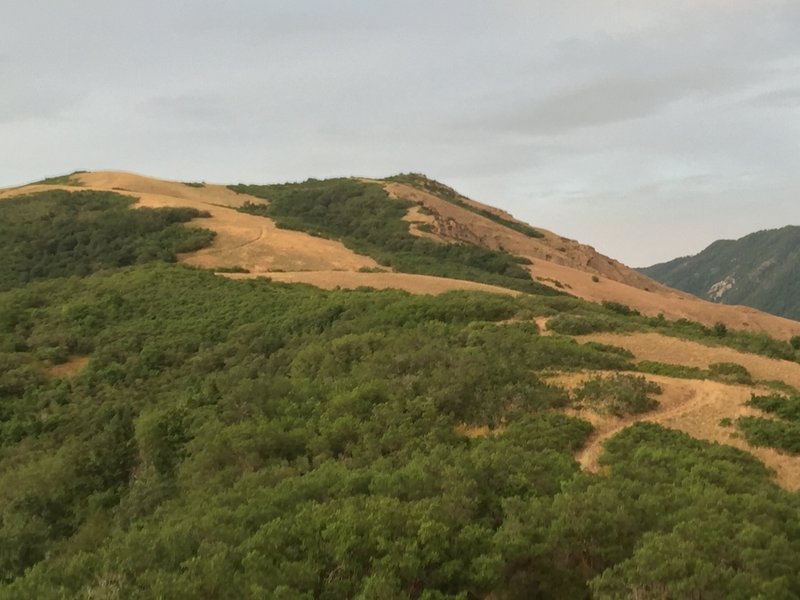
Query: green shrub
781, 435
59, 233
619, 308
785, 407
671, 370
730, 373
618, 394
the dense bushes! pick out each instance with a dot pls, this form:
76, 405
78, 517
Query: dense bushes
783, 435
782, 432
617, 395
58, 233
246, 439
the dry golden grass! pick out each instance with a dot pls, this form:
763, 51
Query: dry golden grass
693, 406
652, 346
415, 284
244, 240
558, 259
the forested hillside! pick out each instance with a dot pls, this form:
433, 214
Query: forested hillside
761, 270
169, 433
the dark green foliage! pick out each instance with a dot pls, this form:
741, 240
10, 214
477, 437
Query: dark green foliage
366, 220
762, 270
195, 184
570, 324
245, 439
730, 373
440, 190
795, 342
720, 329
234, 269
619, 308
58, 233
624, 352
672, 370
785, 407
723, 372
783, 435
783, 432
618, 394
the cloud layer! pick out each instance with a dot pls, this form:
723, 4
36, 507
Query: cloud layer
646, 129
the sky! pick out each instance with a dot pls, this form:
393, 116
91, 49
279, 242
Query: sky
647, 129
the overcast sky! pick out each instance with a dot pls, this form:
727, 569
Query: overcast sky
646, 128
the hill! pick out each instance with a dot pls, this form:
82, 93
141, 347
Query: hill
761, 270
180, 419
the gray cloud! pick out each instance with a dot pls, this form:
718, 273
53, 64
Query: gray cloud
611, 121
611, 101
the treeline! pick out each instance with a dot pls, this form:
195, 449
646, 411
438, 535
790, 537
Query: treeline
59, 233
245, 439
365, 219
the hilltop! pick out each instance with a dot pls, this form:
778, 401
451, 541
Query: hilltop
376, 389
761, 270
250, 242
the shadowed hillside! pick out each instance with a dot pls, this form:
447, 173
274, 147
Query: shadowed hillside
761, 270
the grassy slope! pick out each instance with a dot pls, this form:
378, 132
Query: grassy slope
363, 217
246, 439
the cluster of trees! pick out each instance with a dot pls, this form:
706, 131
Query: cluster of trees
59, 233
246, 439
364, 218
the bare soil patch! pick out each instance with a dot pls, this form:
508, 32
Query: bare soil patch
415, 284
70, 368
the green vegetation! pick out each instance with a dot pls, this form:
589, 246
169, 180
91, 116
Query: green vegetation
195, 184
619, 308
617, 395
761, 270
672, 370
246, 439
722, 372
443, 192
727, 372
59, 233
582, 318
783, 432
62, 180
250, 439
366, 220
785, 407
782, 435
233, 269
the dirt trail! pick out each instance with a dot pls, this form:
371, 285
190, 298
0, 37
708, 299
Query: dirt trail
696, 408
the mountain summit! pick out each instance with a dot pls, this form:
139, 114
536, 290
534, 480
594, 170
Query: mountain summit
761, 270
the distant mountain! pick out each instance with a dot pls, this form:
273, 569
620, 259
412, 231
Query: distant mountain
761, 270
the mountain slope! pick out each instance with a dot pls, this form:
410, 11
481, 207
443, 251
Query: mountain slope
166, 432
761, 270
253, 244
